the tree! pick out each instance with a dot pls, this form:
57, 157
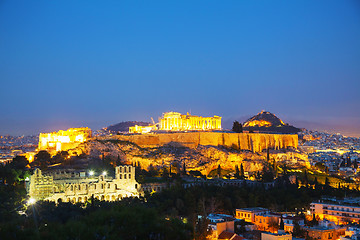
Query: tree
242, 174
237, 172
165, 173
281, 227
306, 181
273, 225
219, 171
297, 231
320, 166
267, 176
43, 155
237, 127
60, 157
314, 221
184, 168
327, 183
348, 162
152, 171
251, 130
316, 184
202, 230
41, 159
19, 162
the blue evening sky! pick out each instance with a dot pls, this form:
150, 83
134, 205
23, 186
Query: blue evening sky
95, 63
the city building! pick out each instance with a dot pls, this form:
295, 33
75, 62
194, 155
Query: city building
77, 188
289, 222
324, 233
267, 221
275, 236
174, 121
221, 223
338, 212
248, 214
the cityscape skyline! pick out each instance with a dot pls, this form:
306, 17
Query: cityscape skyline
83, 64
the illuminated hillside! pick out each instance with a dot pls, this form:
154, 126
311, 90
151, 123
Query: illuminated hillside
268, 122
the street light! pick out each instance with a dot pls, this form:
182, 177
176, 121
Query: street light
31, 201
104, 173
91, 173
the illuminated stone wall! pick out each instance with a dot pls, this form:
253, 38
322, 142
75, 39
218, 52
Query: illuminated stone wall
63, 140
174, 121
255, 142
44, 187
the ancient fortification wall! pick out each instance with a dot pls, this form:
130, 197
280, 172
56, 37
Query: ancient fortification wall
255, 142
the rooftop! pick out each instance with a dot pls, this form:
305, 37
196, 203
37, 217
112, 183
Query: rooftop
253, 209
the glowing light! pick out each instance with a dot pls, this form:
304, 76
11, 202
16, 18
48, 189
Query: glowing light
63, 140
104, 173
258, 123
31, 201
27, 179
174, 121
91, 173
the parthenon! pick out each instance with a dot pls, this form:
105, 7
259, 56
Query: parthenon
174, 121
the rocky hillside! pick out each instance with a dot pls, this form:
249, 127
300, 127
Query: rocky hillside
268, 122
201, 158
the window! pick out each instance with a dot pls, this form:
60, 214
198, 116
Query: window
120, 176
129, 176
108, 185
124, 176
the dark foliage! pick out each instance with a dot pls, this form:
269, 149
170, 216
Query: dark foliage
237, 127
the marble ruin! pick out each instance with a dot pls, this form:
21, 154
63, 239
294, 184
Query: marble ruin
174, 121
76, 187
63, 140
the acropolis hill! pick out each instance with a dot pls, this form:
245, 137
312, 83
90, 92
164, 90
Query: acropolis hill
179, 139
191, 131
202, 133
255, 142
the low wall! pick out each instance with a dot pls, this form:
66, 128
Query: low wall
255, 142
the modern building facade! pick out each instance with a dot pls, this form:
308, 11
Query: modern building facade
248, 214
336, 212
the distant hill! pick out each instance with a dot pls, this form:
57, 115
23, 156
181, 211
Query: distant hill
268, 122
124, 126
